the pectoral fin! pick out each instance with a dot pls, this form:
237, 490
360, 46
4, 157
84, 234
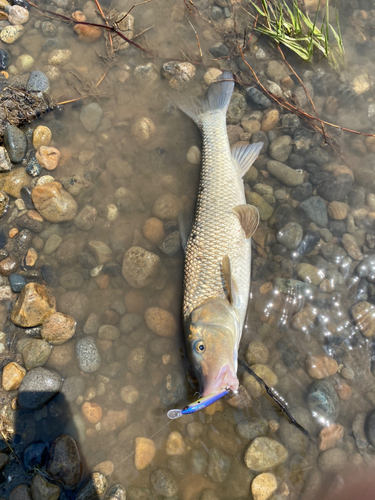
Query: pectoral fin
248, 216
185, 223
229, 281
244, 156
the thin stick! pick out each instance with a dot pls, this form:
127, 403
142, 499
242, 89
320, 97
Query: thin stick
85, 96
197, 37
106, 22
144, 31
135, 5
283, 407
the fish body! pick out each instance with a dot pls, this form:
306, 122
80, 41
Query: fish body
218, 250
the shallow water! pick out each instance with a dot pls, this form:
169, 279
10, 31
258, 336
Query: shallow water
290, 320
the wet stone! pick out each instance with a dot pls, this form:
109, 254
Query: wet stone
4, 59
290, 235
281, 148
218, 465
136, 361
35, 455
73, 387
38, 82
4, 202
75, 304
12, 182
252, 428
302, 192
49, 275
20, 492
93, 488
218, 50
91, 116
54, 203
364, 316
38, 387
336, 188
13, 374
5, 164
310, 274
366, 269
33, 306
36, 353
283, 214
140, 267
163, 483
178, 74
44, 490
116, 492
15, 142
237, 107
264, 453
315, 210
58, 328
64, 465
319, 367
257, 98
33, 167
323, 402
332, 460
86, 218
11, 33
309, 242
263, 486
88, 357
369, 427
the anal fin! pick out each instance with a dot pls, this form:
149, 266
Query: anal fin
244, 156
248, 216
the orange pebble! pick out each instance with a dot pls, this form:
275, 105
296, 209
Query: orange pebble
92, 411
153, 230
102, 280
344, 391
33, 214
266, 287
13, 232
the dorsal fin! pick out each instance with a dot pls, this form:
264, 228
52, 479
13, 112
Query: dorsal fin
249, 218
229, 281
244, 156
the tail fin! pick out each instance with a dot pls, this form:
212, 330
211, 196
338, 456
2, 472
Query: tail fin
218, 99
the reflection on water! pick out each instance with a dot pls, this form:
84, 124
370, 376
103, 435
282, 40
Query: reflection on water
130, 162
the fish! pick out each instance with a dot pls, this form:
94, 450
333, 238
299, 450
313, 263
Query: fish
217, 248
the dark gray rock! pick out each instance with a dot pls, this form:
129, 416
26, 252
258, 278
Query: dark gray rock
33, 167
38, 387
116, 492
49, 30
366, 268
370, 427
337, 228
323, 401
290, 123
17, 282
216, 13
38, 82
336, 188
318, 156
163, 483
315, 210
302, 192
173, 389
15, 142
290, 235
283, 214
309, 242
73, 387
219, 50
256, 98
171, 244
296, 161
236, 109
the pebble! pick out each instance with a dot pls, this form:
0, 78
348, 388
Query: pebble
8, 266
92, 411
91, 116
153, 230
358, 428
167, 207
315, 210
13, 374
330, 435
119, 168
64, 464
351, 246
114, 420
58, 328
52, 244
276, 71
323, 402
219, 50
366, 269
38, 82
88, 356
86, 218
48, 157
161, 322
129, 394
42, 489
140, 267
256, 352
10, 34
116, 492
5, 164
175, 444
310, 274
264, 453
257, 98
178, 74
290, 235
33, 167
263, 486
101, 251
143, 129
281, 148
88, 34
319, 367
332, 460
20, 492
109, 332
106, 468
265, 373
364, 316
38, 386
370, 427
163, 483
59, 57
336, 188
75, 303
269, 120
34, 304
4, 59
54, 203
338, 210
36, 353
286, 175
264, 208
15, 142
236, 109
4, 202
24, 62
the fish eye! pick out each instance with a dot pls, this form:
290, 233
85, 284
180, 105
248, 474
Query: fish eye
200, 347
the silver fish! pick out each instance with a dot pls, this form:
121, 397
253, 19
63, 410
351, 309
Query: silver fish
217, 247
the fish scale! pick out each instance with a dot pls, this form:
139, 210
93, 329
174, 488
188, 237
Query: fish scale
216, 230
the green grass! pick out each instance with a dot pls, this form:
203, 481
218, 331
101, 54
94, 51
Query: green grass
294, 29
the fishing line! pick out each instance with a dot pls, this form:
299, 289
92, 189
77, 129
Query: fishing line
283, 407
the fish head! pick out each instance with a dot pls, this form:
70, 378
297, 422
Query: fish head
213, 334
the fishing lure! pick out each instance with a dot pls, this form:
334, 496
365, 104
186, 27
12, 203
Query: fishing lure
197, 405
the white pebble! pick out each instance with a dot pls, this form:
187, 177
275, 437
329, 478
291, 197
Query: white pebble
211, 75
96, 271
194, 155
112, 212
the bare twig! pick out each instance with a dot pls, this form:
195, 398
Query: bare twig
106, 22
198, 42
85, 96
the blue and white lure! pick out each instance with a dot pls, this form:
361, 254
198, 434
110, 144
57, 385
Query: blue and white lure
197, 405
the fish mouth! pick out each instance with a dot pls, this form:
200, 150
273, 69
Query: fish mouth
225, 380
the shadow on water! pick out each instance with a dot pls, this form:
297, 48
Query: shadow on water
46, 461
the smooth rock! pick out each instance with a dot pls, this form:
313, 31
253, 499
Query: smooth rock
116, 492
87, 34
310, 274
161, 322
315, 210
48, 157
290, 235
336, 188
88, 356
58, 328
256, 352
178, 74
13, 374
4, 59
91, 116
38, 82
264, 453
101, 251
175, 444
332, 460
257, 98
59, 57
167, 207
34, 304
92, 411
64, 464
236, 109
286, 175
36, 353
163, 483
330, 436
10, 34
338, 210
218, 465
38, 387
364, 316
15, 142
269, 120
351, 246
54, 203
42, 489
5, 164
323, 402
42, 136
281, 148
20, 492
263, 486
12, 182
144, 452
264, 208
140, 267
18, 15
319, 367
4, 202
74, 303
